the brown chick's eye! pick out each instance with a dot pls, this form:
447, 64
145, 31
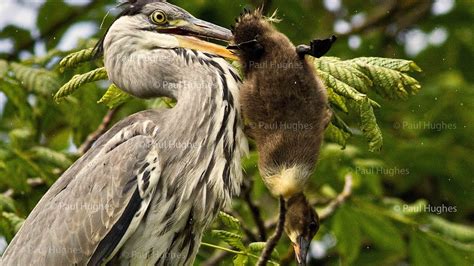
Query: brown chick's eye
313, 227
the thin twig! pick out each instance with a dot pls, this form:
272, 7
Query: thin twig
99, 131
273, 241
331, 206
255, 210
9, 193
340, 199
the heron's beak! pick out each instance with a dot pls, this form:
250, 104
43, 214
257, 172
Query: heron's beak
194, 31
301, 250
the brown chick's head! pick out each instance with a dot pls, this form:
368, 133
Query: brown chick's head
253, 36
301, 225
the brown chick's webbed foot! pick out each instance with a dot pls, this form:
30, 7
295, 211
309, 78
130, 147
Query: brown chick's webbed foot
317, 48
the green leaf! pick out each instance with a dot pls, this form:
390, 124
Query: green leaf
74, 59
230, 238
340, 87
19, 35
369, 126
46, 22
348, 235
394, 64
389, 83
344, 72
18, 97
47, 155
7, 203
337, 100
36, 79
336, 135
240, 260
3, 68
432, 251
229, 221
15, 221
381, 230
114, 97
79, 80
257, 248
451, 255
455, 231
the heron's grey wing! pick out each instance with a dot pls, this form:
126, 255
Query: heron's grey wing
93, 207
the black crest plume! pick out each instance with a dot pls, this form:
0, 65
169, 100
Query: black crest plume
130, 8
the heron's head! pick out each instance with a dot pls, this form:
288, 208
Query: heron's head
157, 24
301, 225
147, 49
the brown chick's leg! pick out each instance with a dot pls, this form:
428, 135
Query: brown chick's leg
273, 241
317, 48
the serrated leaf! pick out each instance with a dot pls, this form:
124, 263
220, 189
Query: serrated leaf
230, 238
369, 126
79, 80
240, 260
422, 252
394, 64
340, 87
337, 100
451, 255
6, 204
344, 72
381, 230
257, 248
15, 221
336, 135
74, 59
114, 97
51, 156
229, 221
35, 79
348, 235
455, 231
18, 97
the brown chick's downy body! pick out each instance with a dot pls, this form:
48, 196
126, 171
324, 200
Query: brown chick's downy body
284, 103
286, 107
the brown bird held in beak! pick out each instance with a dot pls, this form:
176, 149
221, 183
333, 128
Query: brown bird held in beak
286, 106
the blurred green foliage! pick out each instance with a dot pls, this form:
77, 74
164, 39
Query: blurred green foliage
411, 202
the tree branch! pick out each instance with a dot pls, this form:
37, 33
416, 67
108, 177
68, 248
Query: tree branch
255, 210
339, 200
273, 241
99, 132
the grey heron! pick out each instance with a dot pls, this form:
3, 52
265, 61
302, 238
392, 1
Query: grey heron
146, 190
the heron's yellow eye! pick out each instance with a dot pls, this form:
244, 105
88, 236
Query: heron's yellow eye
158, 17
